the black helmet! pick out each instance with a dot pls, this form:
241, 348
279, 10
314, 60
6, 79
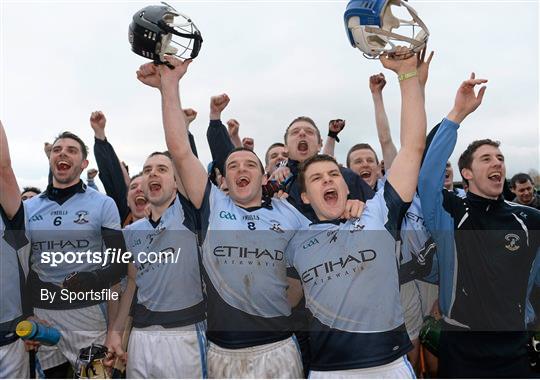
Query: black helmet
152, 29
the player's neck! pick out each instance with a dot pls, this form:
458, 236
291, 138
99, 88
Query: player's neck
159, 210
255, 202
476, 191
58, 185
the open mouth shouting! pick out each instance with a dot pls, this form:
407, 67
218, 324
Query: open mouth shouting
302, 146
141, 202
365, 174
495, 177
330, 196
242, 182
63, 166
154, 186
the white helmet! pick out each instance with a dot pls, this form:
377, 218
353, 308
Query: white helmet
370, 24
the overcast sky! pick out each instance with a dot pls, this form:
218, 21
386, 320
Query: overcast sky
275, 59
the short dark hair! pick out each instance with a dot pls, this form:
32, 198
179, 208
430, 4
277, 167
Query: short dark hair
30, 188
306, 119
520, 178
164, 153
466, 158
358, 147
139, 174
241, 149
69, 135
274, 145
307, 163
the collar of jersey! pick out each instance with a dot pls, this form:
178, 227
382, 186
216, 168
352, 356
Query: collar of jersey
477, 200
156, 223
336, 222
62, 195
266, 203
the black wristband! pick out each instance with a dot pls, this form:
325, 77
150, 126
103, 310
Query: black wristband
334, 135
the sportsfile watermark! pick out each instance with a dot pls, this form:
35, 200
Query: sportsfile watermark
110, 256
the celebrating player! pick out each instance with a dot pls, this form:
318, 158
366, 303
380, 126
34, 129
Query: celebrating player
13, 270
169, 308
348, 270
486, 249
70, 217
243, 244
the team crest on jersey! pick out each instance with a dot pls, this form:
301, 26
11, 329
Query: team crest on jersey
155, 233
512, 240
357, 226
276, 226
81, 217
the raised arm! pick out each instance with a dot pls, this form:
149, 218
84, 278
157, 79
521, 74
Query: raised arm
334, 127
219, 139
109, 166
404, 174
10, 195
191, 115
233, 127
431, 178
190, 169
389, 151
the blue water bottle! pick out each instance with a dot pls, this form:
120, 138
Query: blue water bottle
33, 330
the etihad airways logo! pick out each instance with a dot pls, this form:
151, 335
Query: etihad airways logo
245, 252
261, 257
341, 267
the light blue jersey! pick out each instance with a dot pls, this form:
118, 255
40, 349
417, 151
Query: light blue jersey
349, 272
68, 229
14, 255
169, 291
243, 257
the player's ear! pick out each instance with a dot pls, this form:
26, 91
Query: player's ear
467, 174
305, 198
84, 164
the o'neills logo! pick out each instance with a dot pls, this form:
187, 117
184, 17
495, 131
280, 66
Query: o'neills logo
245, 255
341, 267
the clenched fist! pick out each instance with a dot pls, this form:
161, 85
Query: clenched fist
217, 104
97, 122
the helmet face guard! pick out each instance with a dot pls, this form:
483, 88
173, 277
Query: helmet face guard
157, 30
90, 362
370, 26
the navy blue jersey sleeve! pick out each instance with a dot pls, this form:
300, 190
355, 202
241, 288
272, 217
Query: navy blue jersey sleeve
220, 143
15, 234
192, 144
111, 175
358, 188
396, 209
191, 217
113, 273
421, 266
204, 211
